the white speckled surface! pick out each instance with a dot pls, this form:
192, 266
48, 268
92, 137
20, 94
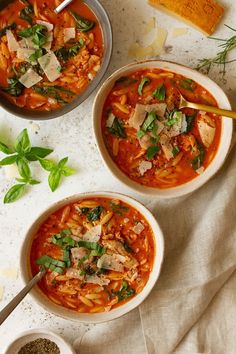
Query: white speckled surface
72, 136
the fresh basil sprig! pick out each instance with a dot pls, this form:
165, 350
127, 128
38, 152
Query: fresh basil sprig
22, 154
57, 171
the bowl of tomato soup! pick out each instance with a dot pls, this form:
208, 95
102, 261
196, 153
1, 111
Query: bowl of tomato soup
150, 144
102, 253
49, 62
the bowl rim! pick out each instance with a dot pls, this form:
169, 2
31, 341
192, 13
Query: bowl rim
197, 182
104, 21
66, 313
35, 332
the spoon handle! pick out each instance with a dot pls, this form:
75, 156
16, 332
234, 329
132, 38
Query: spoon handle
62, 6
6, 311
211, 109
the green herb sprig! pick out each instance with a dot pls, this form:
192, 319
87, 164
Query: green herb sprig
22, 154
226, 45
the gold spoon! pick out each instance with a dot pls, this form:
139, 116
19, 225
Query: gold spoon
202, 107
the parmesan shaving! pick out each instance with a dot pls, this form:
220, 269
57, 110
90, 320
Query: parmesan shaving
144, 167
138, 228
110, 120
112, 262
12, 43
48, 25
51, 66
24, 54
48, 45
9, 273
93, 235
177, 32
30, 78
150, 26
69, 33
154, 49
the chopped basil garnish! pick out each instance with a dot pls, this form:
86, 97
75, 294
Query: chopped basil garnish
92, 246
152, 151
118, 209
190, 122
125, 291
198, 160
65, 53
175, 151
51, 263
37, 54
127, 247
82, 23
38, 34
95, 213
160, 93
174, 117
15, 88
117, 128
148, 123
187, 84
143, 82
26, 13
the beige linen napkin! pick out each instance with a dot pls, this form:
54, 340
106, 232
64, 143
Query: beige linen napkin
192, 308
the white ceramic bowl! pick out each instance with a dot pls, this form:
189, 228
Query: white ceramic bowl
25, 337
226, 133
50, 306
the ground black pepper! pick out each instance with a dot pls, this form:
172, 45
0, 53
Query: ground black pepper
40, 346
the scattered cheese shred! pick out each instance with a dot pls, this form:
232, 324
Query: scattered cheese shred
177, 32
9, 272
154, 49
48, 25
51, 66
150, 25
30, 78
12, 43
69, 33
1, 292
25, 53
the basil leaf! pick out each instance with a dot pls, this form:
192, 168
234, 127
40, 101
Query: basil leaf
54, 179
118, 209
152, 151
26, 12
62, 162
65, 53
67, 171
92, 246
14, 193
37, 54
127, 247
9, 27
8, 160
82, 23
4, 148
160, 93
14, 88
117, 128
190, 121
174, 117
198, 160
33, 181
23, 168
36, 152
140, 133
175, 151
148, 123
143, 82
187, 84
22, 144
47, 165
95, 213
125, 291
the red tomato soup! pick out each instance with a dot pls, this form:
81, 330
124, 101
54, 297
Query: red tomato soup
47, 59
152, 141
98, 253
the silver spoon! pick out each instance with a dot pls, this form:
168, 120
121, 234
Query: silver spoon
7, 310
62, 6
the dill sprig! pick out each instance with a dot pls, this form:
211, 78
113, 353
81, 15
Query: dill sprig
221, 57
